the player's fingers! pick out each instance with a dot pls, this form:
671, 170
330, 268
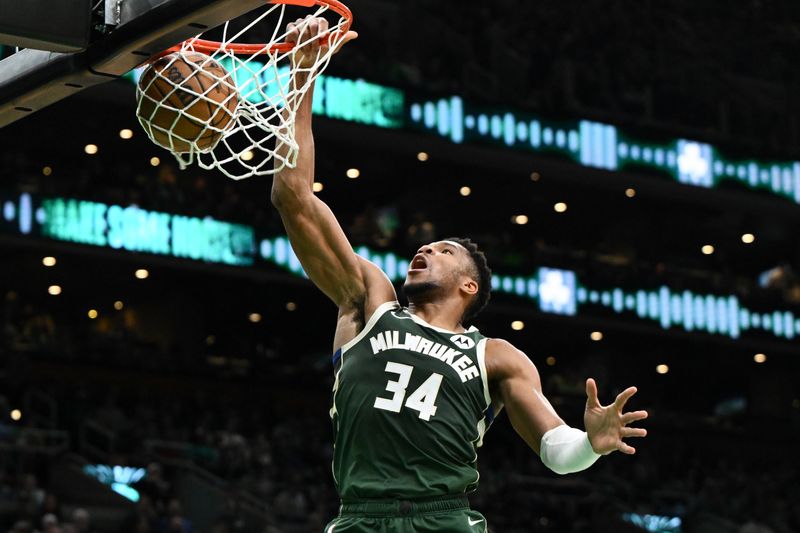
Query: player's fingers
291, 33
302, 30
633, 432
298, 26
349, 36
323, 26
624, 448
314, 33
624, 396
320, 34
310, 31
633, 416
591, 393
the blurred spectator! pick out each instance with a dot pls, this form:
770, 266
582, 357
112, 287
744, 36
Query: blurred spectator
155, 489
174, 521
81, 521
30, 497
50, 524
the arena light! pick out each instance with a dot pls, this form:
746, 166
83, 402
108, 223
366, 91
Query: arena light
518, 325
118, 305
422, 156
291, 306
596, 336
520, 220
318, 186
247, 155
92, 313
49, 261
255, 318
125, 133
630, 192
662, 369
707, 249
141, 273
551, 361
748, 238
210, 340
154, 161
353, 173
90, 149
535, 176
560, 207
465, 191
16, 415
760, 358
46, 171
54, 290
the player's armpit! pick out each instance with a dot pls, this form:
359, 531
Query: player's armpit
517, 381
352, 319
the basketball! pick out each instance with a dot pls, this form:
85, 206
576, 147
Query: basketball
186, 99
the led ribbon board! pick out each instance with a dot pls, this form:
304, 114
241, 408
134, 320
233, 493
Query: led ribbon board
130, 228
599, 145
591, 144
213, 241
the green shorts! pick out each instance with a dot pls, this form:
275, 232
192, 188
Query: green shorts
447, 514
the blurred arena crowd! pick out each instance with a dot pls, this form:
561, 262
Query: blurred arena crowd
683, 66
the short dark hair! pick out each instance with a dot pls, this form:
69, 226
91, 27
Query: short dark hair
483, 274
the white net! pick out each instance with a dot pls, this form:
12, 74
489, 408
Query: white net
230, 111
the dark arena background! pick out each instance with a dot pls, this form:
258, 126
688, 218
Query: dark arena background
632, 170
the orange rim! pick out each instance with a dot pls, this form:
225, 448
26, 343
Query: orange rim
210, 47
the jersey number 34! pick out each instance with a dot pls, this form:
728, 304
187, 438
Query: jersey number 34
423, 399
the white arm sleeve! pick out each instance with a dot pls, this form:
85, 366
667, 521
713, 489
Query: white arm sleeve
565, 450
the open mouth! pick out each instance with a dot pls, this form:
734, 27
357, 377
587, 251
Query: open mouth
417, 264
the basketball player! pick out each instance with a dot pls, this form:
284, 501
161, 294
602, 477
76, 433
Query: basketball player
415, 390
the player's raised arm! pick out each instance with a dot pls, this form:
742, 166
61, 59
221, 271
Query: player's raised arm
562, 449
315, 234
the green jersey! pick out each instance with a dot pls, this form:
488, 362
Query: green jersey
410, 407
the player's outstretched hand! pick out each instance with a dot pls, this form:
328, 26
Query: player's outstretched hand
309, 37
607, 425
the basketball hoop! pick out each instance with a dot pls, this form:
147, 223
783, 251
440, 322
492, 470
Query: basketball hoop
259, 139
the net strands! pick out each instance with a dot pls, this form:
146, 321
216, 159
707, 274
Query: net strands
259, 138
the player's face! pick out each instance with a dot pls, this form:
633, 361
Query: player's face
435, 266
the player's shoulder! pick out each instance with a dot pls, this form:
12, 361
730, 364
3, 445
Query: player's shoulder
378, 286
503, 358
502, 347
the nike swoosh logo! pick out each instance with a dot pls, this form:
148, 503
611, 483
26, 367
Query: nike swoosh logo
472, 523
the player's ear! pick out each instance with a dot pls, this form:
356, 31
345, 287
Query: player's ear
469, 286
